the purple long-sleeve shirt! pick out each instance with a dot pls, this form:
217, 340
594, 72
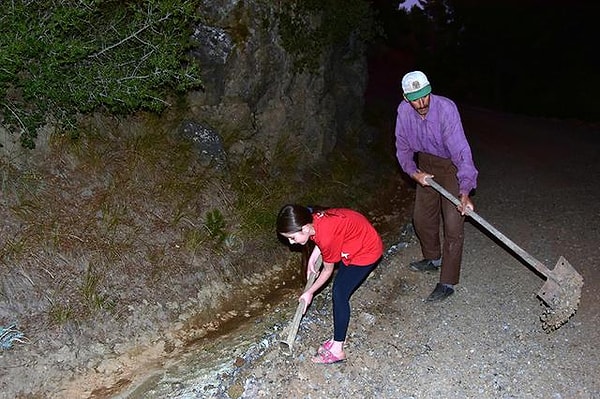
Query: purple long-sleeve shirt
440, 133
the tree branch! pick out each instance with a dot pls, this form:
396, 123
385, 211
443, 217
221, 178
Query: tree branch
134, 34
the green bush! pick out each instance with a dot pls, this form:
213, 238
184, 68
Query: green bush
64, 57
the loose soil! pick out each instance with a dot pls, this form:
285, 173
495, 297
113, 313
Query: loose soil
538, 185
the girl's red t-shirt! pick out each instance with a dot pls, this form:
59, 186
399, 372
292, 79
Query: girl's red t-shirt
346, 235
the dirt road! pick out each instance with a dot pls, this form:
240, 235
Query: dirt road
538, 185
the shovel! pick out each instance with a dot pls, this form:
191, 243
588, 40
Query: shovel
561, 290
289, 334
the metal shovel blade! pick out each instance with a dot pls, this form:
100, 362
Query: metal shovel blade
561, 292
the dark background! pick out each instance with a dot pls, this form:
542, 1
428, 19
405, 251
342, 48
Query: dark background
536, 58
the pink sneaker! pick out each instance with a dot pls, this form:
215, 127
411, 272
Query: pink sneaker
326, 346
326, 357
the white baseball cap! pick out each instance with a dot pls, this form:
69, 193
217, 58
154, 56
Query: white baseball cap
415, 85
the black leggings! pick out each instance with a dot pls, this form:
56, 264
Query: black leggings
347, 280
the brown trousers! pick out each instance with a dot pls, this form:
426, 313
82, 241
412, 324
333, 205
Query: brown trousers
431, 209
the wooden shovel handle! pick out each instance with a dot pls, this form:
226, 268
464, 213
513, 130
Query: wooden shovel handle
533, 262
293, 328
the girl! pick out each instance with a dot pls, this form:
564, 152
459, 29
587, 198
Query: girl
341, 236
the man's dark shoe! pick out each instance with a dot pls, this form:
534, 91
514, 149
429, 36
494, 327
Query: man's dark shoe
440, 293
424, 265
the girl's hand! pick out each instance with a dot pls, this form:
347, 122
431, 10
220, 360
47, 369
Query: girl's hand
311, 266
306, 298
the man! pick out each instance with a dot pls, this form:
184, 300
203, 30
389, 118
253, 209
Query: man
429, 126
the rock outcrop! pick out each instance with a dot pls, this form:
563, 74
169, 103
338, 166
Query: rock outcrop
256, 98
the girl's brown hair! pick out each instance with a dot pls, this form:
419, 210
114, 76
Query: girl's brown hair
292, 217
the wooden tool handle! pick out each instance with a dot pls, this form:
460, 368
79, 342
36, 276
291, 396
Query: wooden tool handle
287, 344
533, 262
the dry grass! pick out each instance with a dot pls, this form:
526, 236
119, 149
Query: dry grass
126, 214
